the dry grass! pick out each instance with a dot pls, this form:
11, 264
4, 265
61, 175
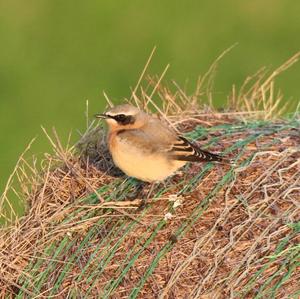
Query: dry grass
210, 232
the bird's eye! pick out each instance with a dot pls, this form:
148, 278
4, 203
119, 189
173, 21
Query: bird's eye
124, 119
121, 117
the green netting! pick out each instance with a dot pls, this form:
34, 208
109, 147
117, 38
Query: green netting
67, 252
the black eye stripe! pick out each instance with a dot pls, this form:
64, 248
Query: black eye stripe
124, 119
119, 116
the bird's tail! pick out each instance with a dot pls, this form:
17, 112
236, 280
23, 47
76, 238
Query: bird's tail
206, 156
185, 150
200, 155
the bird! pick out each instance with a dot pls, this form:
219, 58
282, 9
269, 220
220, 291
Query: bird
146, 148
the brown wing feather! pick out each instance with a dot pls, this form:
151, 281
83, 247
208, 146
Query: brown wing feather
183, 150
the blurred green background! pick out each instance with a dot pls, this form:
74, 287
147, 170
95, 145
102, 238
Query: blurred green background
54, 55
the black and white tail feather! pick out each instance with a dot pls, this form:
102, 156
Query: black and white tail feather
184, 150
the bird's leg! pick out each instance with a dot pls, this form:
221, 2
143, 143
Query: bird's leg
149, 193
151, 190
138, 188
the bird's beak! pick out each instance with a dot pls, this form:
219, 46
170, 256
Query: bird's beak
102, 115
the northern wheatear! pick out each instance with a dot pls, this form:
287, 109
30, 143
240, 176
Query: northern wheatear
144, 147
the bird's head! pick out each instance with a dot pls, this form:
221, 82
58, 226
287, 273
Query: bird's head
123, 117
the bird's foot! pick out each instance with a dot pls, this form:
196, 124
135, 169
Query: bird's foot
142, 205
137, 191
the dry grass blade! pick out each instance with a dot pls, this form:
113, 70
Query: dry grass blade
8, 186
258, 93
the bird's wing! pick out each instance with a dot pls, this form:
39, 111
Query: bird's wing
147, 140
159, 138
178, 147
184, 150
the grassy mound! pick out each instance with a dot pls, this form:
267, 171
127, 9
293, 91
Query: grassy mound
211, 231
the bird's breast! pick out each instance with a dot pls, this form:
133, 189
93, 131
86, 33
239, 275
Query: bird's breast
140, 163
